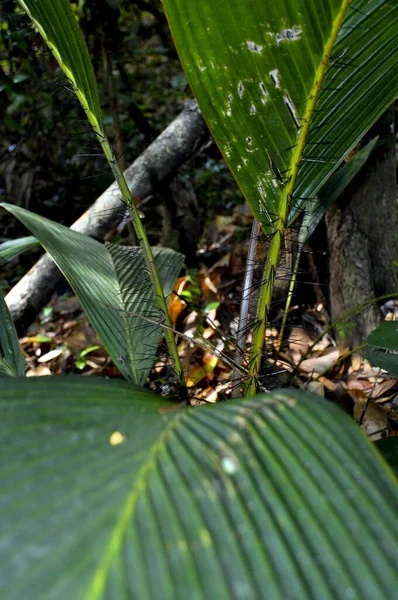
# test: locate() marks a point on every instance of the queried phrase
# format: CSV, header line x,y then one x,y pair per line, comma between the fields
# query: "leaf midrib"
x,y
99,578
298,151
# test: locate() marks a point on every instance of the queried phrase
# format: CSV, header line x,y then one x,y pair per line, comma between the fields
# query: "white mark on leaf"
x,y
264,92
287,100
229,465
253,47
253,109
249,142
274,74
229,102
290,35
261,190
241,88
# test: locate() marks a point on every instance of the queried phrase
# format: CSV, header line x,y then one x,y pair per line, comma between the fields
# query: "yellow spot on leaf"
x,y
116,438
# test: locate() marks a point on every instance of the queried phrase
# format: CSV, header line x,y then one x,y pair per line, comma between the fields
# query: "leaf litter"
x,y
204,309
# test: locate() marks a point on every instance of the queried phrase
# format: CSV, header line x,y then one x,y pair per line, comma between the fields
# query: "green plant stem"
x,y
285,202
149,262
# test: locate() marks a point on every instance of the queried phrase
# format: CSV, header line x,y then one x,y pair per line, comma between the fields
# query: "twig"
x,y
244,307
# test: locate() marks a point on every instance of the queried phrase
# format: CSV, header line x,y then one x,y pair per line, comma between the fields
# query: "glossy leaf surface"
x,y
87,265
11,357
12,248
287,88
111,492
332,189
384,337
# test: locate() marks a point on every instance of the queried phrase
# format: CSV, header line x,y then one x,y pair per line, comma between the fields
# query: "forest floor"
x,y
205,308
45,168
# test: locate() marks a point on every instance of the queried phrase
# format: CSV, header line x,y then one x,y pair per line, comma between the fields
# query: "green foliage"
x,y
315,211
385,336
12,248
114,289
11,360
388,448
58,26
112,492
287,92
382,339
332,189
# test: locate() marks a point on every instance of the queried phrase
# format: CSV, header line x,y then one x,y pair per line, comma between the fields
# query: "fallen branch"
x,y
159,163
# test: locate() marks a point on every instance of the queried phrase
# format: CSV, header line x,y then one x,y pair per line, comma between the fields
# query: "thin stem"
x,y
202,342
292,285
285,202
244,307
149,262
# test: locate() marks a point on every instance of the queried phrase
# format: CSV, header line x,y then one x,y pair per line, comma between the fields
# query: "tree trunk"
x,y
363,238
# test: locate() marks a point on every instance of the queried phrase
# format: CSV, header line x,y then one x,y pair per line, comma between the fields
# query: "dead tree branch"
x,y
158,164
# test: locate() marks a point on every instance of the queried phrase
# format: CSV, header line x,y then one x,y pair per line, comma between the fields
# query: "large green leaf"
x,y
384,337
388,448
106,293
110,492
287,88
56,23
12,248
332,189
137,297
11,357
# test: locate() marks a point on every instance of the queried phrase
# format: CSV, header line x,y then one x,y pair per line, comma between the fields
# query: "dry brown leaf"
x,y
208,286
389,406
221,263
320,363
299,340
356,363
323,343
357,395
354,383
374,422
39,371
327,383
176,304
49,356
382,387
